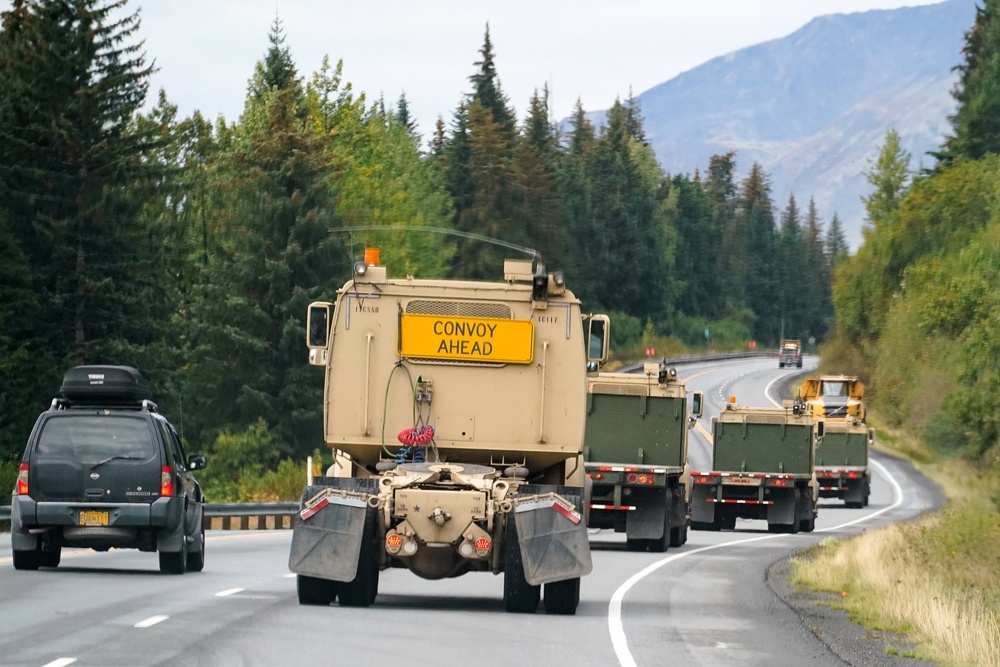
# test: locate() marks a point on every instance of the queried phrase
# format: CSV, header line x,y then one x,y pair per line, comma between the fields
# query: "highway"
x,y
706,603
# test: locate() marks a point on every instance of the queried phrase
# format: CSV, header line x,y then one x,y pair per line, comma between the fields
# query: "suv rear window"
x,y
96,437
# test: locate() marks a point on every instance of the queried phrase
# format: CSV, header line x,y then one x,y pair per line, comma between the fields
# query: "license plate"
x,y
741,481
93,518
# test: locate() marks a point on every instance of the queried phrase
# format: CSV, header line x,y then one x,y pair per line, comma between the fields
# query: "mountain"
x,y
813,107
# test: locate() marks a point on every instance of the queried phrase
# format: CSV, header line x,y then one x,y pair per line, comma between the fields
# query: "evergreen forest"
x,y
190,248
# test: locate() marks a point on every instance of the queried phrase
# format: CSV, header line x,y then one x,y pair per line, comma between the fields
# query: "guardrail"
x,y
694,358
227,516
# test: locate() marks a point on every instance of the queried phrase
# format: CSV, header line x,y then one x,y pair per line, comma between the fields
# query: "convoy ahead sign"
x,y
466,339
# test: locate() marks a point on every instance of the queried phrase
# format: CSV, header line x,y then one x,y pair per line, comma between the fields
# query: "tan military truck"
x,y
762,468
456,412
636,455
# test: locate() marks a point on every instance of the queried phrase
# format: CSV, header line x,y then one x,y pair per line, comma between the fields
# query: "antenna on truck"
x,y
534,254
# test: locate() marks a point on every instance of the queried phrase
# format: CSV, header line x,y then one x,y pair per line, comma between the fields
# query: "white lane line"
x,y
291,576
225,593
151,621
618,639
60,662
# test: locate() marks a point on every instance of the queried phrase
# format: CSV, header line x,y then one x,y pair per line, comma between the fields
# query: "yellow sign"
x,y
466,339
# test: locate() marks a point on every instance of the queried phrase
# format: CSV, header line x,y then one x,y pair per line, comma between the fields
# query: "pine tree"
x,y
273,256
889,175
403,117
75,247
487,90
976,121
835,244
277,70
762,280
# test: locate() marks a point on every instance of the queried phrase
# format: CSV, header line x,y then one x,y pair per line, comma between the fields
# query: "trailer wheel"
x,y
361,591
678,536
562,597
315,591
519,597
633,544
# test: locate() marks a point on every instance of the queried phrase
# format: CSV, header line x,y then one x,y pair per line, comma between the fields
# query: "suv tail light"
x,y
22,480
166,482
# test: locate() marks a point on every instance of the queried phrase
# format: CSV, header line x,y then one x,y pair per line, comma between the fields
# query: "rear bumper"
x,y
27,514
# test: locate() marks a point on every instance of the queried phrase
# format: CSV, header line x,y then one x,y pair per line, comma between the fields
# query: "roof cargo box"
x,y
105,385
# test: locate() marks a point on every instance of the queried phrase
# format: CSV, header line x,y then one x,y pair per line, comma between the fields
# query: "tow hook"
x,y
439,516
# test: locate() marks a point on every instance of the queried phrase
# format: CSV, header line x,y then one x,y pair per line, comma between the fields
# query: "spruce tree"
x,y
976,121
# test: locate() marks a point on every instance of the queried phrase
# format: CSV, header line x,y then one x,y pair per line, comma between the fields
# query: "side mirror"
x,y
598,334
871,436
820,429
697,404
197,462
318,325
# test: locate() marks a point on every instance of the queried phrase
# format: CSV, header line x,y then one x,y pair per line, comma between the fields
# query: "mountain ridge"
x,y
813,107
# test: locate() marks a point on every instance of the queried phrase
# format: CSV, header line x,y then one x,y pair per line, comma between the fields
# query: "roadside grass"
x,y
933,579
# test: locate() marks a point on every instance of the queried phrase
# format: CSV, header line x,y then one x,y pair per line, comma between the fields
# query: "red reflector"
x,y
482,544
166,482
852,475
598,476
22,480
393,540
633,478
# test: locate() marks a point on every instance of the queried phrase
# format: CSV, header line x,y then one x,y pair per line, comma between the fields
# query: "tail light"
x,y
22,480
166,482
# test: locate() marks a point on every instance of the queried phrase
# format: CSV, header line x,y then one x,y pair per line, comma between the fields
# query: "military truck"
x,y
790,353
762,468
456,413
635,453
842,462
834,396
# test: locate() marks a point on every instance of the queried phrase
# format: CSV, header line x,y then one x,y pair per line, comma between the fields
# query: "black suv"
x,y
103,469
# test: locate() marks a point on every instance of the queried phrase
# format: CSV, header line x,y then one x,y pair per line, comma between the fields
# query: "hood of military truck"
x,y
95,456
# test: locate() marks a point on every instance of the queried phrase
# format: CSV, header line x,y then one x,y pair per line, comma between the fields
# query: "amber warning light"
x,y
371,256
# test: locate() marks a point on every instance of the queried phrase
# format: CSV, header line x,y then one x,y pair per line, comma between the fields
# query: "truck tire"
x,y
361,591
633,544
173,562
50,557
562,597
315,591
662,543
519,597
678,536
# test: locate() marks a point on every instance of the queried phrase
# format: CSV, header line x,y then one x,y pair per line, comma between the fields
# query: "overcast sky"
x,y
595,51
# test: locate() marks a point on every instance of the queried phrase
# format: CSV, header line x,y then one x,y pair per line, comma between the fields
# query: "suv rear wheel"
x,y
26,560
173,562
196,552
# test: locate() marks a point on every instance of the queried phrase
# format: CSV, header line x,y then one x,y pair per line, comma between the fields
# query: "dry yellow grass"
x,y
934,579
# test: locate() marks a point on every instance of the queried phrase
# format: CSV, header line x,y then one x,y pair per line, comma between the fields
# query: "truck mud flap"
x,y
326,542
553,540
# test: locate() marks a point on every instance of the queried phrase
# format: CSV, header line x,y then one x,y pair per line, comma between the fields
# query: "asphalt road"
x,y
709,602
